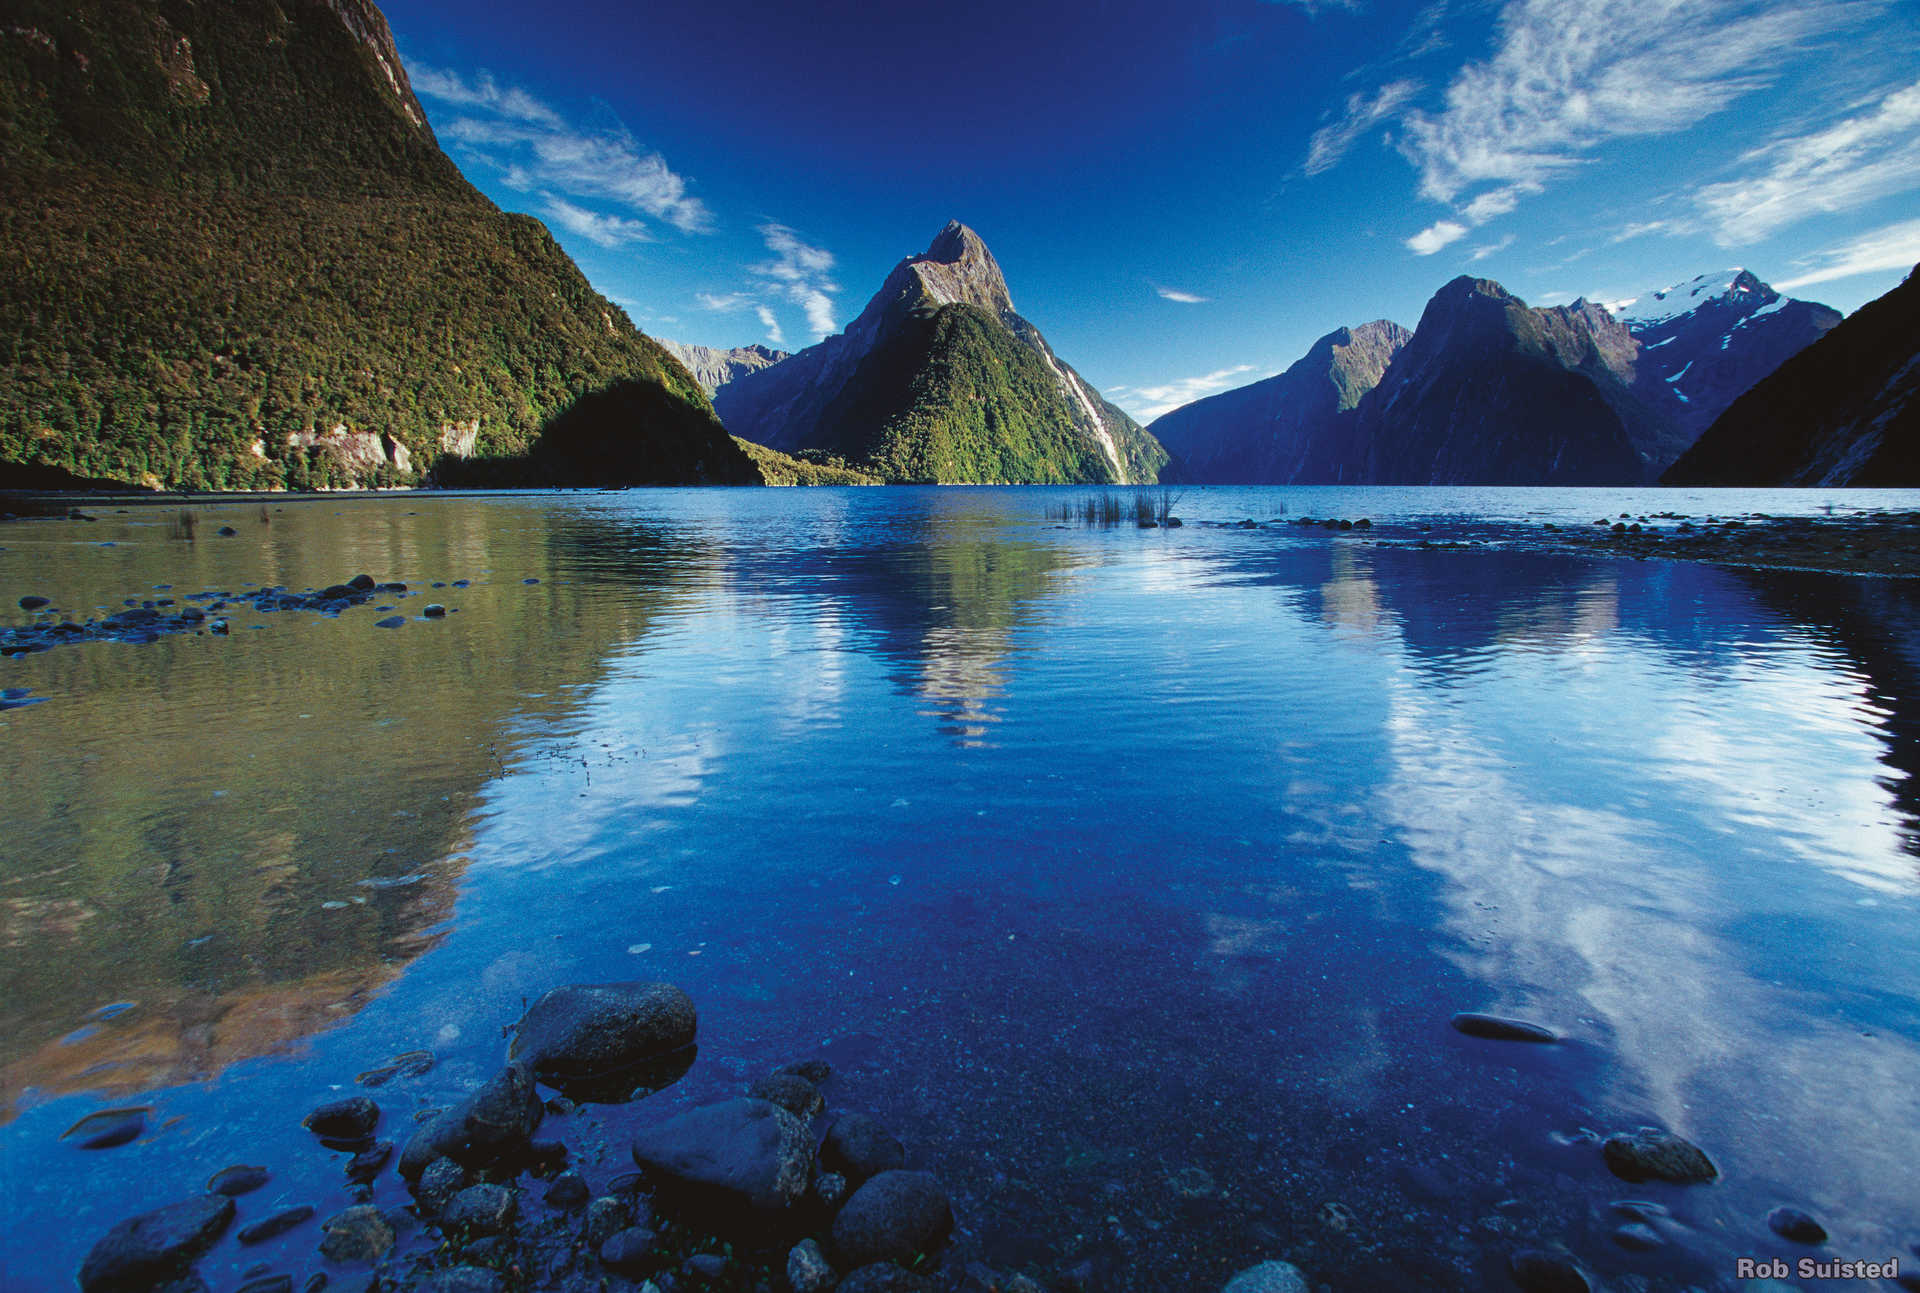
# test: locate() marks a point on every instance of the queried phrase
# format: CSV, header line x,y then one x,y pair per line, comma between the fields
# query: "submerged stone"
x,y
747,1151
277,1224
359,1234
494,1123
351,1119
155,1246
107,1128
1792,1224
1536,1271
857,1146
237,1180
1269,1277
1651,1154
1494,1028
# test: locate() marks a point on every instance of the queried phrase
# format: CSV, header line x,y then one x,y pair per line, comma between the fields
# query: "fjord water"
x,y
1131,876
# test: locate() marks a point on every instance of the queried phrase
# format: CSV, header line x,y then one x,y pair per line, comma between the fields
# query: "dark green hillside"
x,y
233,256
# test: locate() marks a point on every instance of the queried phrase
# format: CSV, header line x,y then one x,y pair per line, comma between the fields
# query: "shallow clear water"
x,y
1130,876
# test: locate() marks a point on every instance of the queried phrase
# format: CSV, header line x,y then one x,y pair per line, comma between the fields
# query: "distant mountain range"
x,y
1843,411
1488,390
715,368
940,380
236,257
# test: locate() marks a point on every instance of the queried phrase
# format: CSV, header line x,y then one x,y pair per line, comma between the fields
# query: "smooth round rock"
x,y
1651,1154
480,1210
895,1216
568,1190
587,1031
857,1147
390,622
365,1165
494,1123
351,1119
237,1180
1493,1028
808,1270
1792,1224
359,1234
32,603
628,1251
1543,1272
442,1179
747,1151
1269,1277
157,1245
434,611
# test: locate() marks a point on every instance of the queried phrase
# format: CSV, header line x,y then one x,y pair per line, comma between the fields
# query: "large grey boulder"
x,y
605,1039
748,1151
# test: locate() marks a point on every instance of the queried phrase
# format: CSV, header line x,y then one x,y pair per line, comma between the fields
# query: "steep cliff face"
x,y
1843,411
939,379
1489,391
715,368
1295,428
233,255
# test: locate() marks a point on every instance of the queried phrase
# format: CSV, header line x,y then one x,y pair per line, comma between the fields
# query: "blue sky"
x,y
1185,195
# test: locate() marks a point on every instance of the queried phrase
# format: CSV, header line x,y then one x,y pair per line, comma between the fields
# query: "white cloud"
x,y
802,274
1313,7
1436,236
729,301
1490,249
1897,246
1566,76
775,337
1184,298
1331,142
1846,165
534,148
606,230
1146,403
1645,227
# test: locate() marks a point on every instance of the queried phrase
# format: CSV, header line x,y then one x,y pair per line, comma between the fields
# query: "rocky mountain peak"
x,y
958,267
369,27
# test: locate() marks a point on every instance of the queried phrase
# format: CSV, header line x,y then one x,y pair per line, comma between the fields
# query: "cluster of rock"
x,y
147,620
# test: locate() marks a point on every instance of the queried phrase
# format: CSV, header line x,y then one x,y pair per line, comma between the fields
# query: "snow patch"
x,y
1682,373
1654,308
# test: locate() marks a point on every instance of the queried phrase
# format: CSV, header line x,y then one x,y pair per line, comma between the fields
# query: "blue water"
x,y
1130,876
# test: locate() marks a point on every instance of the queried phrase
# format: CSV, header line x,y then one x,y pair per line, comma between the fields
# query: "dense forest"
x,y
232,256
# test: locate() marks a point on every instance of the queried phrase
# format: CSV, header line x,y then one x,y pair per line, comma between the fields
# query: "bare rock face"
x,y
715,368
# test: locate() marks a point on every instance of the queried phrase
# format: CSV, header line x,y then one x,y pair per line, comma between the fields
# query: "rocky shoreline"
x,y
764,1192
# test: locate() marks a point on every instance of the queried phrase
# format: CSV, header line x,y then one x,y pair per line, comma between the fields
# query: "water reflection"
x,y
277,826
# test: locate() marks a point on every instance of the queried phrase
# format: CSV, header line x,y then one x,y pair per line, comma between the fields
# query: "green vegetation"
x,y
1145,508
232,256
807,467
953,395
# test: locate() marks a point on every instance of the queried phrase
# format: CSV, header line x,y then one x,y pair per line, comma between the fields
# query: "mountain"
x,y
232,255
939,379
1290,429
1844,411
1492,392
715,368
1706,341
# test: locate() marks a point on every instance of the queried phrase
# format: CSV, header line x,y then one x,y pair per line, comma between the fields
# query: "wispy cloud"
x,y
1435,236
1846,165
1184,298
536,149
1363,112
1146,403
802,273
723,301
606,230
1569,75
1897,246
1313,8
775,337
1641,229
1490,249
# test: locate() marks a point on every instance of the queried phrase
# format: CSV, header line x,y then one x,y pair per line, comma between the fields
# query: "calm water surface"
x,y
1130,876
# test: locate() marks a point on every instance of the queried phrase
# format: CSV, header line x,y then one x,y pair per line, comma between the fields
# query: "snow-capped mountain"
x,y
1706,341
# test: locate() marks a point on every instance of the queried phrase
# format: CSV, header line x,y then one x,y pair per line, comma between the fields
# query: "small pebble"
x,y
277,1224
